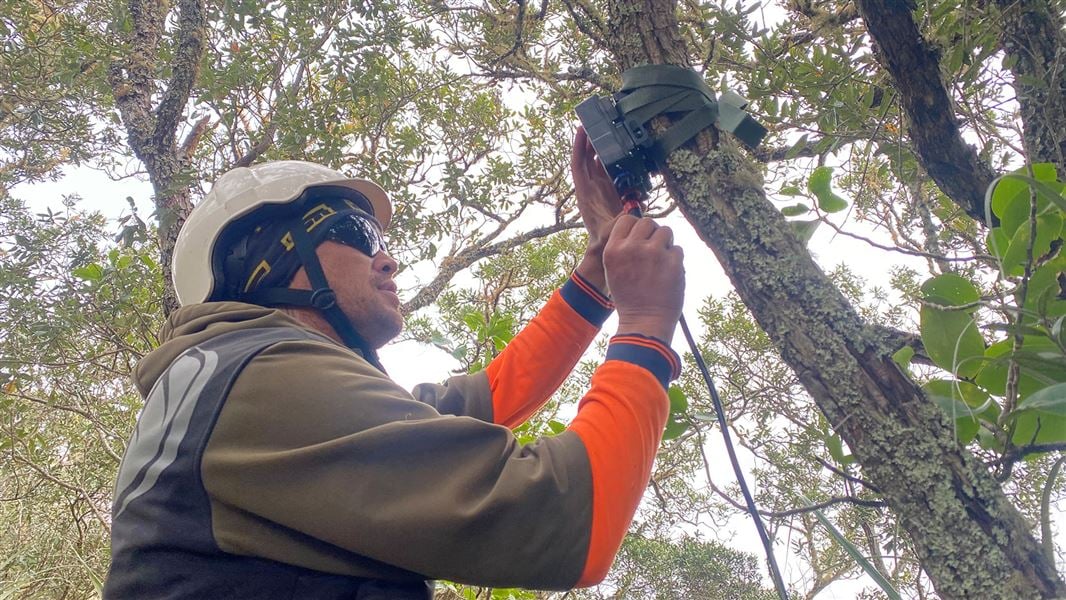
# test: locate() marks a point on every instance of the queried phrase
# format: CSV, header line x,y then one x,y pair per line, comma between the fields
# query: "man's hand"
x,y
597,201
646,274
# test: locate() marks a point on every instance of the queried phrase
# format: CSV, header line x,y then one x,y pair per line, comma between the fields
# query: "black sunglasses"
x,y
359,232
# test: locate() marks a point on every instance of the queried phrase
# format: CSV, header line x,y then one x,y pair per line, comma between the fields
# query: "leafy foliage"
x,y
76,313
1009,395
462,111
685,568
51,87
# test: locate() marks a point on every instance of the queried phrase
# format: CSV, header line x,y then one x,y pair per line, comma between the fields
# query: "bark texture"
x,y
152,129
931,125
972,542
1035,44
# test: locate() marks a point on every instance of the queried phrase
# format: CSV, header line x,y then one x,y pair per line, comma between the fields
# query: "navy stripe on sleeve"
x,y
651,353
584,298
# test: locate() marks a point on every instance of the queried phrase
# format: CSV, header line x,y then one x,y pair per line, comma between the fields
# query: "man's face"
x,y
365,290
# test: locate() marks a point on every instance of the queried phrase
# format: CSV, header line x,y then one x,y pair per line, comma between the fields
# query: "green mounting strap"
x,y
649,91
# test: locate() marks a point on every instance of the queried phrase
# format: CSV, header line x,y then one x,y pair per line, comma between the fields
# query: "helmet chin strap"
x,y
320,297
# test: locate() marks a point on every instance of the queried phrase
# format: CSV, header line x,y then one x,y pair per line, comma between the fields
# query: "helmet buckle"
x,y
323,298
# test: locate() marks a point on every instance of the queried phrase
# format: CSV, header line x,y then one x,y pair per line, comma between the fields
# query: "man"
x,y
274,458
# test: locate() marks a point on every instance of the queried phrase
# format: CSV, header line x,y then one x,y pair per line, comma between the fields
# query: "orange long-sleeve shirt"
x,y
317,461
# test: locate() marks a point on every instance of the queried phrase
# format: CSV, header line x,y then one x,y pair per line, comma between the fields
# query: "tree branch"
x,y
767,155
105,522
188,147
1034,39
795,511
192,26
131,75
264,144
574,73
1019,452
588,20
824,504
915,67
519,30
1047,537
451,265
820,20
847,476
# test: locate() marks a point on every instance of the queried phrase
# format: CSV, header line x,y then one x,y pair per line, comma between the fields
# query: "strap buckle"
x,y
323,298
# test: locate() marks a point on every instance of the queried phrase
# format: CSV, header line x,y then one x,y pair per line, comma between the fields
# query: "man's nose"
x,y
384,263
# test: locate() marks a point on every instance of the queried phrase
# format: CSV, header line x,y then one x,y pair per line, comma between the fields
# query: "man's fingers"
x,y
623,225
577,152
627,226
644,229
663,236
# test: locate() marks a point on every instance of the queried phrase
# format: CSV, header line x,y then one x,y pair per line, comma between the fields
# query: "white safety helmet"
x,y
239,193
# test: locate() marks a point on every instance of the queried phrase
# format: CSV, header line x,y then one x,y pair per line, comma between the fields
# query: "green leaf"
x,y
90,272
997,241
1058,332
988,440
832,203
1045,172
819,185
854,553
1008,193
460,352
964,403
804,230
790,190
903,356
1040,360
827,144
1035,427
1050,400
1048,228
819,181
678,401
835,445
1031,81
950,289
475,321
706,417
951,336
952,340
795,210
1044,297
796,148
1009,196
556,426
674,428
959,399
501,328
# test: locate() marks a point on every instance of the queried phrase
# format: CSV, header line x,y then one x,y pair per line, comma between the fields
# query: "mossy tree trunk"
x,y
970,539
1033,39
152,116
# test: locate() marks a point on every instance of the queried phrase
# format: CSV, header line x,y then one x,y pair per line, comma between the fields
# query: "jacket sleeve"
x,y
533,365
318,460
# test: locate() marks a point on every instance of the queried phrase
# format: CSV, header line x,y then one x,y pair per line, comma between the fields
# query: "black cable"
x,y
631,199
775,573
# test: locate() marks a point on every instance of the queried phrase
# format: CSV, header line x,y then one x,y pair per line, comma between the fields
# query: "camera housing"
x,y
623,147
627,149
